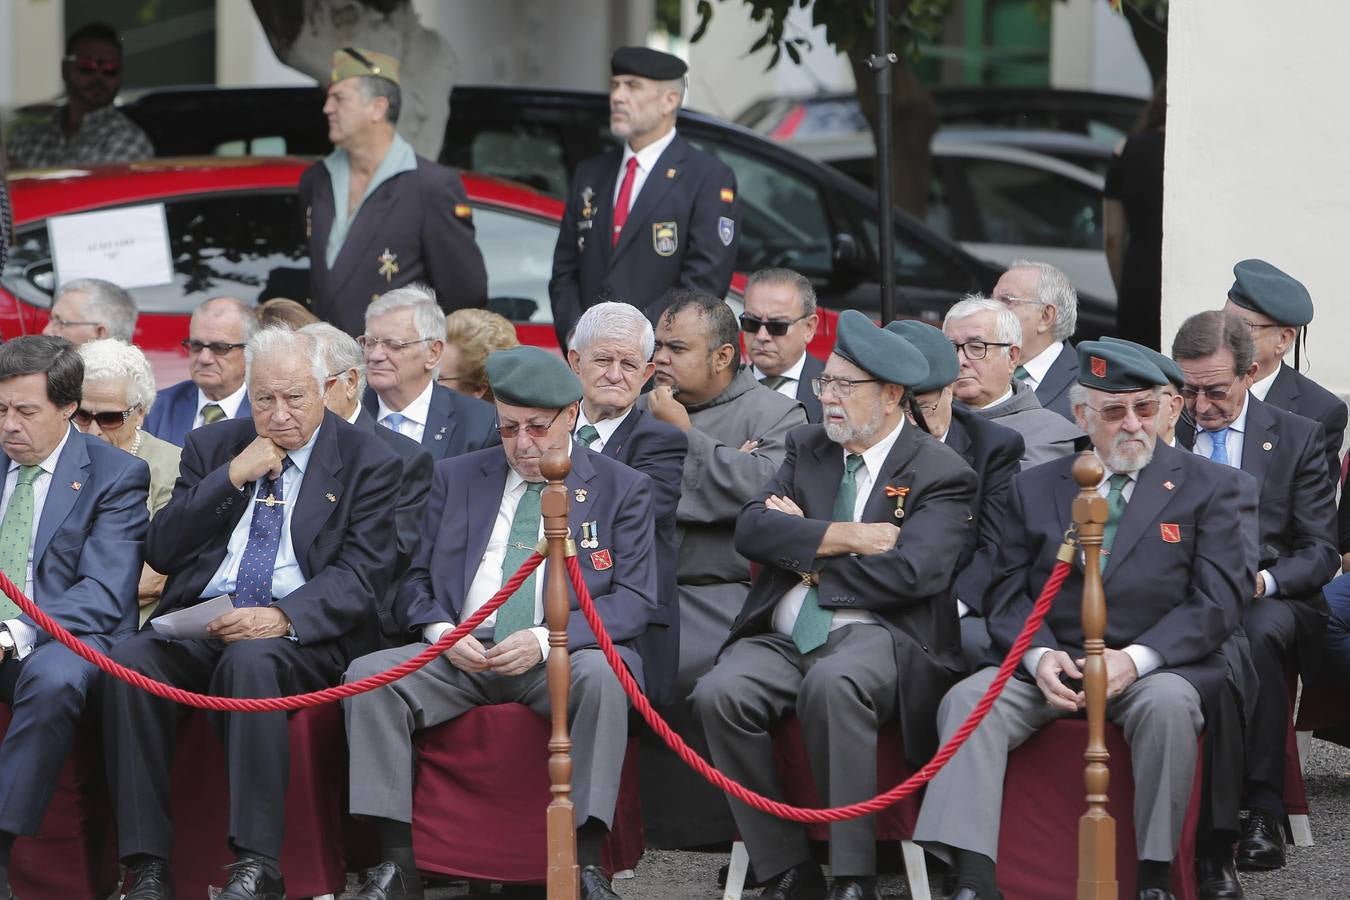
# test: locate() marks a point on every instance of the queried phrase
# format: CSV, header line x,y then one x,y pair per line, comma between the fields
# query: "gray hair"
x,y
279,340
110,358
1206,333
340,350
1053,288
108,304
373,86
806,292
248,316
428,317
612,321
1007,328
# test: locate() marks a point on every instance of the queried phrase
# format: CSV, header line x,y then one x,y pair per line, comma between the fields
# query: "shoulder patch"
x,y
463,211
728,195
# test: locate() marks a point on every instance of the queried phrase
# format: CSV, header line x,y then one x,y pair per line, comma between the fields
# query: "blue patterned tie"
x,y
1219,446
394,422
253,587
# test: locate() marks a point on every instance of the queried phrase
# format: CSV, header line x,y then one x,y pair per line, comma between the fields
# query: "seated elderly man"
x,y
1172,401
289,514
471,336
90,309
482,522
987,337
1176,567
849,623
1046,305
74,517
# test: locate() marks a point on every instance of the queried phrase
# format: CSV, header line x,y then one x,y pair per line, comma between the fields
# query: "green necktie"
x,y
16,533
772,382
1115,508
1020,373
212,412
587,435
812,627
518,612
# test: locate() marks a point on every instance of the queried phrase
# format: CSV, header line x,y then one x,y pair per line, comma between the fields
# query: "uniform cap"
x,y
1116,368
646,63
530,376
884,355
350,62
1263,288
937,349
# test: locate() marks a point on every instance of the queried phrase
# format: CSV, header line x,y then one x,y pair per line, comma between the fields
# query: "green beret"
x,y
646,63
1166,364
936,347
1116,368
884,355
530,376
1261,287
350,62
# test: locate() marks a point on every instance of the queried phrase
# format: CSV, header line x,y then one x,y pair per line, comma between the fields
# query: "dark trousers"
x,y
1271,632
46,692
1336,656
141,733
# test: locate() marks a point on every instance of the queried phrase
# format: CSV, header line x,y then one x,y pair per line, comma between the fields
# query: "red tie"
x,y
625,197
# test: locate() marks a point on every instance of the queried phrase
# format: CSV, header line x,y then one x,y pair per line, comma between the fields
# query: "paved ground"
x,y
1321,872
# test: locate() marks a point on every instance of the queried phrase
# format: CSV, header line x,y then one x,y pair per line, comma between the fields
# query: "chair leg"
x,y
1301,829
916,871
736,869
1304,741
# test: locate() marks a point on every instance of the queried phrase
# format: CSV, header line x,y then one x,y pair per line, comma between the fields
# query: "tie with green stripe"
x,y
812,627
1115,508
16,533
518,611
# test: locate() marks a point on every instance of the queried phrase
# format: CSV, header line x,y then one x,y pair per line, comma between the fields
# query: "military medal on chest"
x,y
899,493
388,265
590,535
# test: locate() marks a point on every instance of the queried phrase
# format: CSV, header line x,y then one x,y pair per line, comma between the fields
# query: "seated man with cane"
x,y
483,521
1176,568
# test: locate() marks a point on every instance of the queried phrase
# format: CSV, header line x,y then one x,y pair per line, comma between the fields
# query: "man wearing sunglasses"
x,y
779,321
88,130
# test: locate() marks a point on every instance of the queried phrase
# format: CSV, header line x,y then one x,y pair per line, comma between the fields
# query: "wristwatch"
x,y
6,642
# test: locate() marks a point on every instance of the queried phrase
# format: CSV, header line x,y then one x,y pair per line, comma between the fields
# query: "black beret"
x,y
936,347
1263,288
884,355
646,63
529,376
1166,364
1116,368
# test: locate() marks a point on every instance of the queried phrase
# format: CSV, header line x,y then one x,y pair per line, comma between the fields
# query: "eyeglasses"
x,y
1257,326
976,349
88,65
1009,300
1116,412
392,345
510,431
219,348
843,387
107,421
70,323
775,327
928,407
1212,394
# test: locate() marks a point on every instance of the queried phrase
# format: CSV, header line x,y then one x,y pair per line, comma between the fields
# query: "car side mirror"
x,y
846,255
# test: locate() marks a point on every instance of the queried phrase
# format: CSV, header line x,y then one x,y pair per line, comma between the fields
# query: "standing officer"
x,y
659,214
378,216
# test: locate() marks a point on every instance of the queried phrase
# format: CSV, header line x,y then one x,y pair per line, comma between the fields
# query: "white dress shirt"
x,y
229,404
646,158
25,635
414,423
605,427
791,378
1039,365
1260,388
1004,399
874,457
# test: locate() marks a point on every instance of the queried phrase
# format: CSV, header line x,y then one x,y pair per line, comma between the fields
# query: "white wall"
x,y
1256,160
1091,49
32,38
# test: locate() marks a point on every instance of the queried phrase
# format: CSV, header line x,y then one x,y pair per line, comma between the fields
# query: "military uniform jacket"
x,y
415,227
908,588
682,231
1297,393
995,453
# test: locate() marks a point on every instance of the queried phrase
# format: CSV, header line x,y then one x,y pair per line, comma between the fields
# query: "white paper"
x,y
127,246
192,622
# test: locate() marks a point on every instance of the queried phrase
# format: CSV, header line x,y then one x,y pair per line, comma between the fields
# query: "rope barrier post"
x,y
1096,829
563,874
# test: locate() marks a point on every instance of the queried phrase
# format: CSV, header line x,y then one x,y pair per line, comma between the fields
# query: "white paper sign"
x,y
127,246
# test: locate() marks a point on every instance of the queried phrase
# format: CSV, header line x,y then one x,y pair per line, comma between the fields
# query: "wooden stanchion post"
x,y
563,873
1096,829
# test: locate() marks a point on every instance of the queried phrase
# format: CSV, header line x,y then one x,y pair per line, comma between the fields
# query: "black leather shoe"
x,y
1262,844
1217,878
5,892
1155,894
150,880
387,882
252,879
803,881
969,893
595,886
845,888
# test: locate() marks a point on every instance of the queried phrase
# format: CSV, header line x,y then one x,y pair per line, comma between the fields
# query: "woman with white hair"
x,y
119,389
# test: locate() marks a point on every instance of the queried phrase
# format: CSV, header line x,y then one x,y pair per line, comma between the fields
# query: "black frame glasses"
x,y
976,350
776,327
510,431
218,348
109,420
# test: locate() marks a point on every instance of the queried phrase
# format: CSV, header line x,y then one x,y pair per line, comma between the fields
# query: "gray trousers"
x,y
841,692
380,726
1161,717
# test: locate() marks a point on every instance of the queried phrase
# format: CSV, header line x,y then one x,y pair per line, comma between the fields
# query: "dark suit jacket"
x,y
1182,598
466,493
1297,393
657,450
689,192
170,419
421,217
995,453
456,423
908,588
87,549
343,527
1053,391
810,369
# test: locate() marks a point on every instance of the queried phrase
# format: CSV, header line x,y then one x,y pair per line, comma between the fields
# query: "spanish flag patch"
x,y
728,195
463,211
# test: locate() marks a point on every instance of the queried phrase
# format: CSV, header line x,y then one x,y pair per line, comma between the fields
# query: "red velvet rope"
x,y
266,704
797,813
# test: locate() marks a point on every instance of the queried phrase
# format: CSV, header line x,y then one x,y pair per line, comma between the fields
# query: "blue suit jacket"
x,y
466,493
87,553
170,419
456,423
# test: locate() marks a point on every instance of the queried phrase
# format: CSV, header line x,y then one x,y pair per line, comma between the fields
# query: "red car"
x,y
235,227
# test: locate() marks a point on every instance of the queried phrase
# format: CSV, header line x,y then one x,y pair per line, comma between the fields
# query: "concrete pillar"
x,y
32,38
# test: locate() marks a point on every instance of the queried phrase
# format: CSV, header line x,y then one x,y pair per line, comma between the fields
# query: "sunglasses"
x,y
512,429
775,327
87,65
107,421
1116,412
219,348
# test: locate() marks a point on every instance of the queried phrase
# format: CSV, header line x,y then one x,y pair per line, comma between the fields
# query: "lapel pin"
x,y
1169,485
329,496
670,173
75,485
1267,445
440,434
899,493
581,495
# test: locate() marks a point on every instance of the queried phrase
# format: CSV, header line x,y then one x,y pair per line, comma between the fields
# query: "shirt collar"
x,y
649,154
605,427
875,456
1004,399
48,465
1107,473
300,457
230,404
1240,423
1040,364
513,479
793,372
416,411
1262,387
356,414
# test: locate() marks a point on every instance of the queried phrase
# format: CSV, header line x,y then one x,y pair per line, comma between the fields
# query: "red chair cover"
x,y
313,860
73,856
1043,798
1325,708
482,789
1295,792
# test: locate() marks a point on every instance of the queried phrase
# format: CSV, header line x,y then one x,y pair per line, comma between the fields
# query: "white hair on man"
x,y
611,321
1054,289
106,303
428,317
1007,330
248,316
279,341
112,359
341,351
